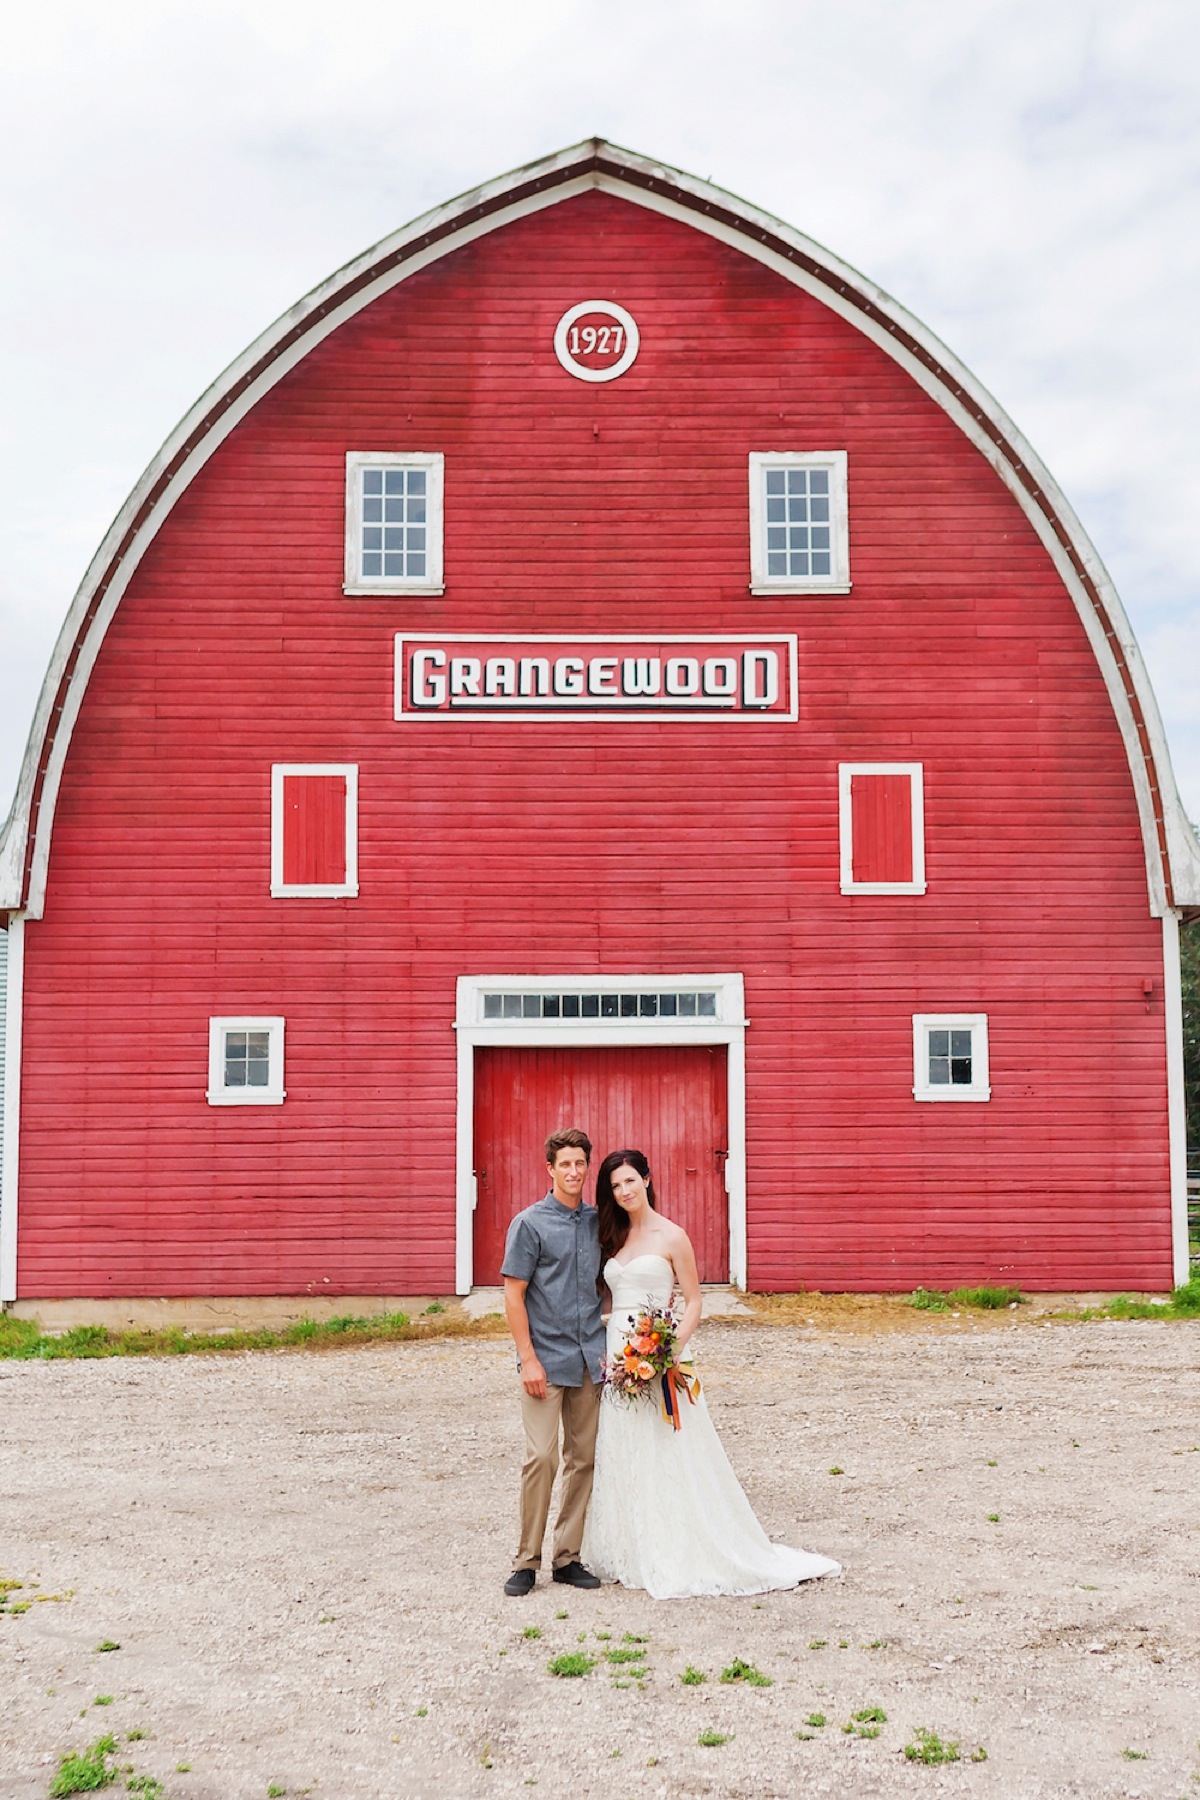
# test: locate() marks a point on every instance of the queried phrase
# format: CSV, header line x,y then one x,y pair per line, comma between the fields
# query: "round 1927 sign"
x,y
596,340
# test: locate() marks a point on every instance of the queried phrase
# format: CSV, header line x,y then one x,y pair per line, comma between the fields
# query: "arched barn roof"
x,y
1171,848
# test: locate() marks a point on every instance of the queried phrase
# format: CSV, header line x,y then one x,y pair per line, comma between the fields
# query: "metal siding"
x,y
497,847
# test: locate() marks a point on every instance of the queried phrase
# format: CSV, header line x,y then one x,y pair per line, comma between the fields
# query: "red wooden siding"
x,y
314,830
881,827
667,1101
552,849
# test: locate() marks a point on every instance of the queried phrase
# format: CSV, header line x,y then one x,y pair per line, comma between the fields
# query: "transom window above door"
x,y
700,1003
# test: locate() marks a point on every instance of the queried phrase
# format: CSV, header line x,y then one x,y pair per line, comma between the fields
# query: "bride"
x,y
667,1512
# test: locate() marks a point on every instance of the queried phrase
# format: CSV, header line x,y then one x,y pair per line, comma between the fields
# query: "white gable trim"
x,y
1172,858
13,1014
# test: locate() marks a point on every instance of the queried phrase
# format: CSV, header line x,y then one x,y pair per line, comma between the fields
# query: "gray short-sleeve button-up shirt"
x,y
556,1250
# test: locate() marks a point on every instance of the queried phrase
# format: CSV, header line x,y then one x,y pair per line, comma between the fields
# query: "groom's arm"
x,y
532,1373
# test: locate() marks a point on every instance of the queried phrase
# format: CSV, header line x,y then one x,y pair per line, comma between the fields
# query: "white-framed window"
x,y
881,828
314,830
394,521
950,1056
799,522
245,1061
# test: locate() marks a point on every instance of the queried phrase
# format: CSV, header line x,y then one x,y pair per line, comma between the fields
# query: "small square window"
x,y
394,522
950,1056
245,1062
799,534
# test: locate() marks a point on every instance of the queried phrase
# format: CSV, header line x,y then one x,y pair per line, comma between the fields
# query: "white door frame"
x,y
727,1025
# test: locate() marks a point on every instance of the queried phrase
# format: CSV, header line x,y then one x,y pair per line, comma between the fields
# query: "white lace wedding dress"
x,y
667,1512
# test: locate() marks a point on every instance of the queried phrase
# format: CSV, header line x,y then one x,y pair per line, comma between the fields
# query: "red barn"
x,y
597,659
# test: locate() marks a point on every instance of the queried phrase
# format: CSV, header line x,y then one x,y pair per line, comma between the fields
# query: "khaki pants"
x,y
577,1412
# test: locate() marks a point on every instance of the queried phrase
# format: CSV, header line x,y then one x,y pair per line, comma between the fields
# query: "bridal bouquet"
x,y
646,1355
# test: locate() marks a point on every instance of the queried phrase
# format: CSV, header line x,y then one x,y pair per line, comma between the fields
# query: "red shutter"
x,y
314,830
882,833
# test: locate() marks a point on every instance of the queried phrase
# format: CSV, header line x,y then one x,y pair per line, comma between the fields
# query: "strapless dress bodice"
x,y
647,1279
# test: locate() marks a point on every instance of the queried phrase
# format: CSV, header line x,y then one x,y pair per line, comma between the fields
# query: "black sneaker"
x,y
575,1575
521,1581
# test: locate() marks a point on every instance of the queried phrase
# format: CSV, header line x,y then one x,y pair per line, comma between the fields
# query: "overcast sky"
x,y
1023,175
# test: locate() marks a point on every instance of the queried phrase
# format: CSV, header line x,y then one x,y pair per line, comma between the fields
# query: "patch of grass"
x,y
22,1339
621,1655
434,1307
571,1664
103,1700
604,1637
85,1771
747,1673
563,1614
148,1785
928,1747
532,1631
183,1768
136,1735
422,1712
986,1299
816,1720
928,1300
709,1740
870,1715
817,1643
635,1637
106,1646
275,1792
693,1677
993,1518
837,1470
1136,1755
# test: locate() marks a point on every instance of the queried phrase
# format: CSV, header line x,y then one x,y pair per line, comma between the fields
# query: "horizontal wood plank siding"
x,y
555,848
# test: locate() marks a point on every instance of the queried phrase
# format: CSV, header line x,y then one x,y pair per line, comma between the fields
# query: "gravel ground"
x,y
300,1557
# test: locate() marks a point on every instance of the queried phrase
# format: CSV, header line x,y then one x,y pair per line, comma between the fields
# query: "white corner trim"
x,y
977,1024
434,464
217,1093
916,775
281,890
1176,1099
9,1173
838,579
729,1028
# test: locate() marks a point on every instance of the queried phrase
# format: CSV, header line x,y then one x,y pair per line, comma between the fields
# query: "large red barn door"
x,y
667,1100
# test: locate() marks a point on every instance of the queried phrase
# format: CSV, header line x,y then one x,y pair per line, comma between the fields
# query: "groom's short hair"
x,y
570,1139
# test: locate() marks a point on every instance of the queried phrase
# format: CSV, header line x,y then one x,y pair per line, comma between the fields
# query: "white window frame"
x,y
977,1024
433,462
916,776
728,1028
838,579
281,890
218,1094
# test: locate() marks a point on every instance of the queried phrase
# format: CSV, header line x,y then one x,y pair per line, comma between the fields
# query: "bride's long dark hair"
x,y
614,1220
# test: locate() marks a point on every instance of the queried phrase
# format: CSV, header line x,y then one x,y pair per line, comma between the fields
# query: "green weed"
x,y
106,1646
816,1720
625,1656
692,1677
532,1631
817,1643
746,1672
929,1300
147,1785
275,1792
85,1771
870,1715
837,1470
572,1663
1136,1755
710,1739
993,1518
634,1637
103,1700
136,1735
987,1299
929,1748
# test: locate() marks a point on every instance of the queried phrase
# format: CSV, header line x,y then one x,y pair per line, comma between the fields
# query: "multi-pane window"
x,y
799,537
393,522
950,1056
245,1062
247,1059
798,531
506,1006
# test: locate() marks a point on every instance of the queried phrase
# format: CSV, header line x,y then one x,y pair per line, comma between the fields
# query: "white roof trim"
x,y
1173,878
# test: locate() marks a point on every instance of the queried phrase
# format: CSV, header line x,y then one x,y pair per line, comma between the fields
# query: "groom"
x,y
550,1269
